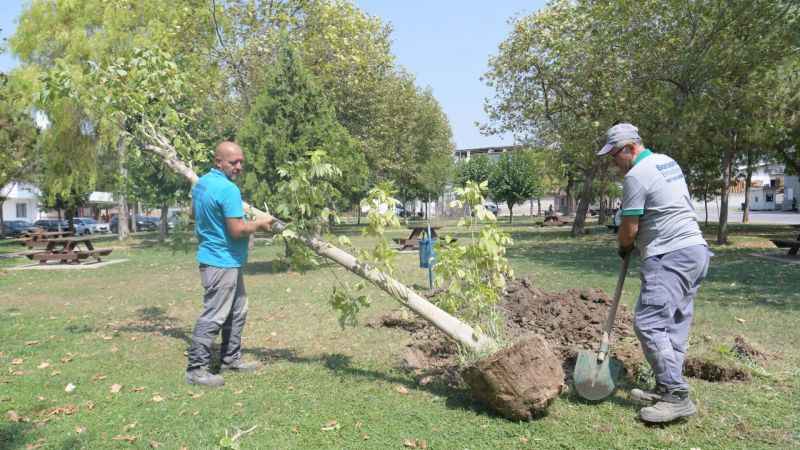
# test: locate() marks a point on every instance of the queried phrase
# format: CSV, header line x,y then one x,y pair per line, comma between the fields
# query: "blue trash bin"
x,y
426,253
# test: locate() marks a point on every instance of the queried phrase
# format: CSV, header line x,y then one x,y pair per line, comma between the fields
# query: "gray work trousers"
x,y
224,308
664,310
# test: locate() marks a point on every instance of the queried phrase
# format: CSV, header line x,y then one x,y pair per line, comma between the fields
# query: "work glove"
x,y
624,251
277,225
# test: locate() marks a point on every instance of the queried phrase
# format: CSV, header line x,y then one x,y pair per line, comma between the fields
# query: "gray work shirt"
x,y
655,190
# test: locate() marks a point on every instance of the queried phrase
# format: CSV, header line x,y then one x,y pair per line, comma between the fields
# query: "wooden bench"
x,y
792,245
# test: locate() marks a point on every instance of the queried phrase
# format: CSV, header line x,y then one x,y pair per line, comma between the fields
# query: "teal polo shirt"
x,y
214,199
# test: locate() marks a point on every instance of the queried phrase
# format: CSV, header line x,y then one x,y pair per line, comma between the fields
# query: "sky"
x,y
446,44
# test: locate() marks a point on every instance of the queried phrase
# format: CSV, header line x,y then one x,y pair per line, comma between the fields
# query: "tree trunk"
x,y
748,180
579,225
705,200
134,217
538,206
569,200
122,215
358,214
510,212
601,215
727,168
449,325
2,219
162,226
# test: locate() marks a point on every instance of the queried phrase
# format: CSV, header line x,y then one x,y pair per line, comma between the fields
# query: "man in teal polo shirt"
x,y
658,217
223,235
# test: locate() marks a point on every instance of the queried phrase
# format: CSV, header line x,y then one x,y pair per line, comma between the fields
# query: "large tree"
x,y
290,118
513,179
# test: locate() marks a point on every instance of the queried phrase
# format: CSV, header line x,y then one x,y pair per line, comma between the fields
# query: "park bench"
x,y
792,244
67,250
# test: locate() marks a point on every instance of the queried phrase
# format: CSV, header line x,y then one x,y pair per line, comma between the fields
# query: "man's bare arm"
x,y
238,228
627,234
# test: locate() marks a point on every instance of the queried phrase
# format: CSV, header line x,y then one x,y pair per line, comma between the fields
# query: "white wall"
x,y
20,194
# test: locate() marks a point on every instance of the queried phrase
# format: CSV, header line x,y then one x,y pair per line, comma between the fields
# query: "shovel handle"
x,y
612,313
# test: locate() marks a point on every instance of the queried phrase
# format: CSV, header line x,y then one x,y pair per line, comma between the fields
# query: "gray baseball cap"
x,y
621,132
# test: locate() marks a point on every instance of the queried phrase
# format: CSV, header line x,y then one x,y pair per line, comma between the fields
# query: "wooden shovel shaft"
x,y
612,313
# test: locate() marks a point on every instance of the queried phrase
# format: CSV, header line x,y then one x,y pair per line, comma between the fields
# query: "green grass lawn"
x,y
129,324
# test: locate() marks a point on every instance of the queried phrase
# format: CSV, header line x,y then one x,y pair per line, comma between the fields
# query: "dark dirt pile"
x,y
569,321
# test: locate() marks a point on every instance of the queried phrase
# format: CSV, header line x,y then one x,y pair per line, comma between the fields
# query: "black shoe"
x,y
203,377
240,366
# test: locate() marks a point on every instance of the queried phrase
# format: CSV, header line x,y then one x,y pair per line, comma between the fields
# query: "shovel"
x,y
596,373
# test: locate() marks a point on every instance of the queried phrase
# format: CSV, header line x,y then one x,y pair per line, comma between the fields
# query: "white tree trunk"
x,y
451,326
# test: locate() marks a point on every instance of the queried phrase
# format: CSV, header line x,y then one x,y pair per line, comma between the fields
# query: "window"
x,y
22,210
770,197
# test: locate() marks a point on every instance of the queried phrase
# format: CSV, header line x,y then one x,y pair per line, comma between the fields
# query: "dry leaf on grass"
x,y
38,444
124,437
115,388
43,365
296,429
55,373
331,425
137,389
12,416
740,320
66,410
70,388
523,439
67,358
31,343
80,430
89,404
17,361
401,389
129,426
98,377
155,444
157,398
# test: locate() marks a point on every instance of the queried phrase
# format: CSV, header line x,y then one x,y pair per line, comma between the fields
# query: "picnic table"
x,y
792,245
417,233
41,238
69,250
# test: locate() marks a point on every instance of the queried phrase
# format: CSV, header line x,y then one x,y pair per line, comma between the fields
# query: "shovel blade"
x,y
595,380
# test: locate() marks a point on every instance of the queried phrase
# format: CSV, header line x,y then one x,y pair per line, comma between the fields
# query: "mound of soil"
x,y
569,321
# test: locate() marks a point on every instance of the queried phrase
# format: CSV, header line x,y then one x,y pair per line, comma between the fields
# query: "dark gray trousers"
x,y
664,310
224,308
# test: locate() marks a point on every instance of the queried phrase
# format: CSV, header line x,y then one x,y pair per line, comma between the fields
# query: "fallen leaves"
x,y
17,361
32,343
124,437
331,425
69,357
43,365
13,416
115,388
70,388
98,377
402,390
157,398
137,389
740,320
129,426
66,410
415,443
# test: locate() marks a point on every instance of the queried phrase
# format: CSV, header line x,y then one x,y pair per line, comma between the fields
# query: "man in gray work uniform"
x,y
222,235
657,213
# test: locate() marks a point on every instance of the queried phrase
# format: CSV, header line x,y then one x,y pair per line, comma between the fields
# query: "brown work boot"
x,y
203,377
240,366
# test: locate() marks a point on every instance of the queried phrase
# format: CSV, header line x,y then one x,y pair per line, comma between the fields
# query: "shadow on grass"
x,y
153,319
456,398
737,277
15,435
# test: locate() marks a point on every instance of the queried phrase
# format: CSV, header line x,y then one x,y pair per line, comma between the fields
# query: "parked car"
x,y
147,223
52,224
143,223
86,225
16,228
401,211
